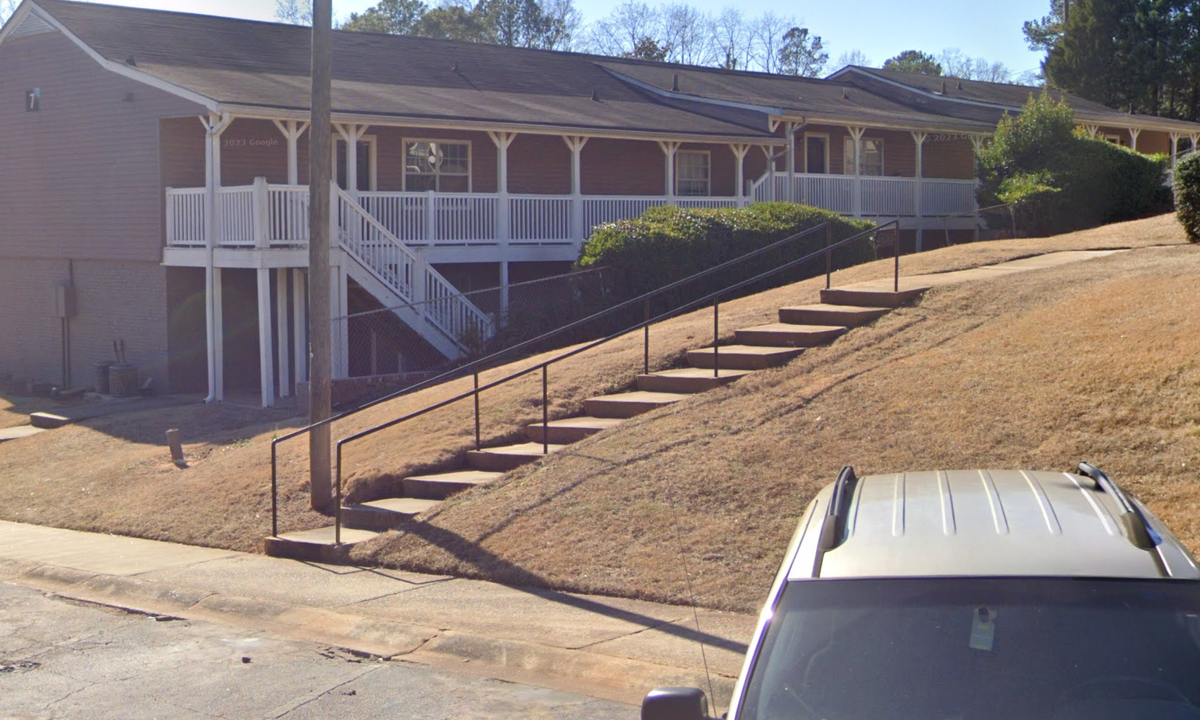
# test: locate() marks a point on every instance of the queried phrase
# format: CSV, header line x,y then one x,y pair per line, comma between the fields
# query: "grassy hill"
x,y
1091,361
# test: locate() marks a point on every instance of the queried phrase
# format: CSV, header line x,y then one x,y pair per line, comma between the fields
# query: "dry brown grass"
x,y
906,392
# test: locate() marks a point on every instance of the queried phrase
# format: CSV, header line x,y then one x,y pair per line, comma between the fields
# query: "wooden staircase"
x,y
756,348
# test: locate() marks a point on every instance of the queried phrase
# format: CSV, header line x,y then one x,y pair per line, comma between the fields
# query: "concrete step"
x,y
840,315
384,514
317,545
569,430
871,298
788,335
48,420
688,380
443,485
630,404
18,432
743,357
508,457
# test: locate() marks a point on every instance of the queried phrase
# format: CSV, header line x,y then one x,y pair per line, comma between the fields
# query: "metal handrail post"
x,y
828,255
896,255
337,509
545,410
477,442
646,339
274,493
716,337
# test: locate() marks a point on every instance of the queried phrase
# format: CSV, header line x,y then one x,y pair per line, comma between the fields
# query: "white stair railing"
x,y
408,274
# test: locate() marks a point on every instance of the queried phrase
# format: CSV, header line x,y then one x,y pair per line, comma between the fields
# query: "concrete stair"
x,y
743,357
847,316
688,380
569,430
508,457
788,335
757,348
630,404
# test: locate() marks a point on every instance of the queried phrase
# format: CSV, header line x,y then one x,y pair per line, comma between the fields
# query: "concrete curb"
x,y
601,675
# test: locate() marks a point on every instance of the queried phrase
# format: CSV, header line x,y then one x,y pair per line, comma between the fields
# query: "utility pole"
x,y
320,322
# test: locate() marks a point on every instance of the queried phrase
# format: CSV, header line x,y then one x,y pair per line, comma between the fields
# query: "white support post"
x,y
340,329
857,133
261,210
919,138
1195,138
1133,137
219,330
213,128
1175,149
575,143
300,323
977,142
739,172
292,130
430,217
266,359
503,140
281,322
351,134
669,148
769,151
791,161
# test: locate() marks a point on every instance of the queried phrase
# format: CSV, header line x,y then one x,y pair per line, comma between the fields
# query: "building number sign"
x,y
33,100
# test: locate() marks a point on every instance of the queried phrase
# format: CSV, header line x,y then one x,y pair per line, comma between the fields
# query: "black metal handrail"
x,y
477,365
544,366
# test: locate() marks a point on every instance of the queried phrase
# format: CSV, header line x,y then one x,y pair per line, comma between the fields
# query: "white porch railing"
x,y
187,216
877,196
539,219
599,210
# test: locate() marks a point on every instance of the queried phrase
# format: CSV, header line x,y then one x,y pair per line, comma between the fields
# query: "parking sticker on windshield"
x,y
983,629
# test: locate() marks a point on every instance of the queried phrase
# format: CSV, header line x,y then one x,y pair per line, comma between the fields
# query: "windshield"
x,y
979,649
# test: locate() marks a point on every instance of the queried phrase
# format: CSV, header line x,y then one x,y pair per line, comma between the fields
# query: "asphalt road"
x,y
60,659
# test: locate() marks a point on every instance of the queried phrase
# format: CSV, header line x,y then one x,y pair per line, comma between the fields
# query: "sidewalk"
x,y
606,647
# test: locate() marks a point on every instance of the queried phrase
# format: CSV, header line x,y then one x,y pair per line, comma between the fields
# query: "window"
x,y
691,173
1115,139
871,157
436,165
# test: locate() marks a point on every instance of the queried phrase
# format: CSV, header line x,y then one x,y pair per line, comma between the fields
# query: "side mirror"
x,y
675,704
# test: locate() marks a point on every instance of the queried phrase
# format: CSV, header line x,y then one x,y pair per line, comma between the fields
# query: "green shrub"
x,y
668,243
1062,180
1187,195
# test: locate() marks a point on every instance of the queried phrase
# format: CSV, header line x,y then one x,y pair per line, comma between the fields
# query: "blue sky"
x,y
880,28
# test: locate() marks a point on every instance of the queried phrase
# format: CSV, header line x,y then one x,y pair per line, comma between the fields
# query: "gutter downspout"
x,y
213,127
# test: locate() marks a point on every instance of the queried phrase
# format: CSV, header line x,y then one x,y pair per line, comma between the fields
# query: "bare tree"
x,y
567,21
956,63
688,34
853,57
732,40
767,33
296,12
630,25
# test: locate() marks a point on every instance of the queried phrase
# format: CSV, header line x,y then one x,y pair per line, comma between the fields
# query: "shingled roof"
x,y
988,100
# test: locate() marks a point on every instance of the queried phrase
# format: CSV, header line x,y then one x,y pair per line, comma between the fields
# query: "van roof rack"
x,y
833,532
1137,529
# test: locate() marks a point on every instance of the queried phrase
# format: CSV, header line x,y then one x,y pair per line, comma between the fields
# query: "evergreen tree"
x,y
914,61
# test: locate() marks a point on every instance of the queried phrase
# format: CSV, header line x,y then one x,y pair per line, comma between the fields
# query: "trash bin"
x,y
123,380
102,369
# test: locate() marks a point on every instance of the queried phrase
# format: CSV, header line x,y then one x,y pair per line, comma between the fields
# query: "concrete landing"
x,y
21,431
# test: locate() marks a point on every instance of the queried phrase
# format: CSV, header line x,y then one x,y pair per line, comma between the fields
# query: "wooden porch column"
x,y
670,148
341,326
769,151
281,322
857,133
576,143
919,138
214,126
1133,137
503,140
351,134
739,172
266,359
292,130
300,323
1091,130
791,161
1175,149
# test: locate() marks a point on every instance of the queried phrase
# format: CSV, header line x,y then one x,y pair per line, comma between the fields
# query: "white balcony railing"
x,y
877,196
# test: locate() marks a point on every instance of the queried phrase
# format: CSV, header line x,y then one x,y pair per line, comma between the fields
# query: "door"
x,y
816,154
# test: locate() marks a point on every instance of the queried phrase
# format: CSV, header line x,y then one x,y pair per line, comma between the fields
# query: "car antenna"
x,y
687,576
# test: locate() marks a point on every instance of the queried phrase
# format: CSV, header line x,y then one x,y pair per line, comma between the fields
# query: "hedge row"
x,y
1187,195
668,243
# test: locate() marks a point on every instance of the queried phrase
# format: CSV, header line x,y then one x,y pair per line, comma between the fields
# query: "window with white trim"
x,y
870,158
437,165
1115,139
692,171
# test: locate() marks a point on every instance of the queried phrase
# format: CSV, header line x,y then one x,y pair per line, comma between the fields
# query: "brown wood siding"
x,y
181,152
81,177
623,167
250,149
539,165
949,157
